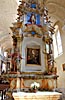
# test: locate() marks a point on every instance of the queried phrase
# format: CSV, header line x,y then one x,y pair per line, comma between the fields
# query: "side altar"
x,y
32,57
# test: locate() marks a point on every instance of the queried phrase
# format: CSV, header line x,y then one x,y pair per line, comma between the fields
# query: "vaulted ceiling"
x,y
8,15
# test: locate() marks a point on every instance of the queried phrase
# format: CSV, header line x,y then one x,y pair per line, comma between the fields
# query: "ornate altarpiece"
x,y
31,34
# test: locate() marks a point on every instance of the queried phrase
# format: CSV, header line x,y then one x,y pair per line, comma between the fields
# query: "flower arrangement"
x,y
35,86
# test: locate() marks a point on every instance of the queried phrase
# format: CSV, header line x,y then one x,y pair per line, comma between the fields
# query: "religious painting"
x,y
33,56
63,66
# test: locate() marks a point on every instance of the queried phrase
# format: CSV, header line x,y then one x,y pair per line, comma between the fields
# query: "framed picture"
x,y
33,56
63,66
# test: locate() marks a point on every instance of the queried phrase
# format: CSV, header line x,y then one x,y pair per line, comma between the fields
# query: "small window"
x,y
57,42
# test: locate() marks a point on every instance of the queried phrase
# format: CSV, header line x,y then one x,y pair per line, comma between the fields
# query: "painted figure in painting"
x,y
33,56
32,19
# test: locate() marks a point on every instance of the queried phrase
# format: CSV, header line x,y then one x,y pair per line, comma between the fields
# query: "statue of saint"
x,y
15,60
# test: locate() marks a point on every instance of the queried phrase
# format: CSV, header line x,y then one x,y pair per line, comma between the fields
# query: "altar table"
x,y
36,96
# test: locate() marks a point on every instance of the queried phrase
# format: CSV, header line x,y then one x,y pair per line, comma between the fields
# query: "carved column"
x,y
19,46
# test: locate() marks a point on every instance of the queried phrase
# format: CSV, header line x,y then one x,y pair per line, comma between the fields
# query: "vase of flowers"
x,y
34,86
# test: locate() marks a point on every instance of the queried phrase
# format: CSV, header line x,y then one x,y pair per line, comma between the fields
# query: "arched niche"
x,y
33,45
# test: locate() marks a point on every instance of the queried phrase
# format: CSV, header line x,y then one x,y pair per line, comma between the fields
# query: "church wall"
x,y
59,61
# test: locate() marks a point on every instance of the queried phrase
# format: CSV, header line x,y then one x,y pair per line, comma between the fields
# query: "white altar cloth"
x,y
36,96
